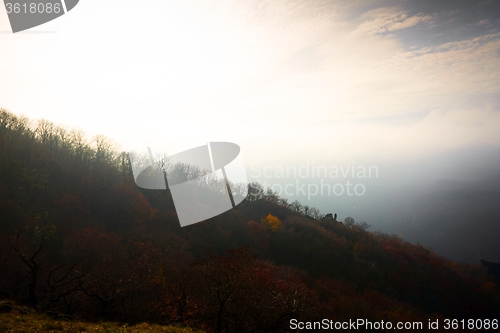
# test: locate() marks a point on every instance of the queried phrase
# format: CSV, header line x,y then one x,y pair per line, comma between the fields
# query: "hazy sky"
x,y
289,81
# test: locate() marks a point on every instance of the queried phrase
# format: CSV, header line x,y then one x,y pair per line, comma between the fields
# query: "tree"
x,y
362,225
223,284
104,149
271,196
60,279
297,206
314,213
272,222
255,191
283,202
349,221
34,269
238,293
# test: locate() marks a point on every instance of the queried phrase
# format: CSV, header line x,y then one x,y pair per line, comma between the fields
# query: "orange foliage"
x,y
272,222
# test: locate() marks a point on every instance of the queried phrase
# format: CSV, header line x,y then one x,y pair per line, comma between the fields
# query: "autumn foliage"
x,y
271,222
78,237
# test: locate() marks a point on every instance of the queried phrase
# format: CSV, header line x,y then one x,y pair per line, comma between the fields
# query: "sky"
x,y
378,82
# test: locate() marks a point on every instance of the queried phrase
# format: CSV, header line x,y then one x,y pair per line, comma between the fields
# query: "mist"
x,y
448,202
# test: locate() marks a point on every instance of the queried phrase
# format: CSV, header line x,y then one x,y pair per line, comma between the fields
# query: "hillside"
x,y
22,320
455,218
80,238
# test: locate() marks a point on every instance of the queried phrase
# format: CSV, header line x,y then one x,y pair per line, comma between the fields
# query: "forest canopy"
x,y
78,237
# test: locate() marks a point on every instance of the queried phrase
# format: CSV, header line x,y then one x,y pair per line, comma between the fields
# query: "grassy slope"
x,y
16,322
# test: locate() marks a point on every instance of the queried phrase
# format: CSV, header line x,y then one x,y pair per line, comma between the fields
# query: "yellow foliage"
x,y
272,222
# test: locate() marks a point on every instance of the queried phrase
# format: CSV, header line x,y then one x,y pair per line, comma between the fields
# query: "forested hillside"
x,y
79,238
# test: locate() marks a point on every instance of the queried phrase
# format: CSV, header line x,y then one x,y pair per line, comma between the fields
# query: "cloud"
x,y
370,92
483,23
385,20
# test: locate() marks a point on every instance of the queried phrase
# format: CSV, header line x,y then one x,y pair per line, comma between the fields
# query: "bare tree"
x,y
33,266
349,221
362,225
104,148
255,191
297,207
314,212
